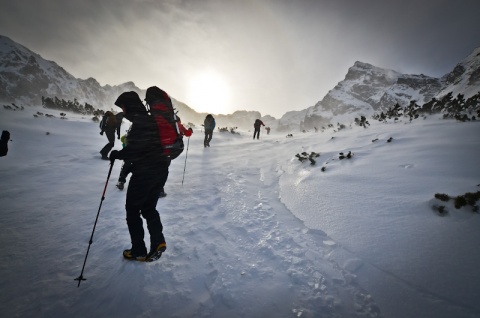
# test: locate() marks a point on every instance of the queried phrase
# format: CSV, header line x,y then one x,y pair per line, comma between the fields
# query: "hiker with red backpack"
x,y
150,149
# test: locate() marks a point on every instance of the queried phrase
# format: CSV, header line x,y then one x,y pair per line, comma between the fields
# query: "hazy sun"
x,y
208,92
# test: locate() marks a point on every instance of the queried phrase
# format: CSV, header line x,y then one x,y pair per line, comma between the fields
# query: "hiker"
x,y
184,131
4,143
209,125
149,174
268,130
257,125
109,125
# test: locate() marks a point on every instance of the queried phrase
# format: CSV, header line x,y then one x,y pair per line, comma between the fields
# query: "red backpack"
x,y
162,110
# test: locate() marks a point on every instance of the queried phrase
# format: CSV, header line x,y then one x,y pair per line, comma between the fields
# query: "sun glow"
x,y
209,92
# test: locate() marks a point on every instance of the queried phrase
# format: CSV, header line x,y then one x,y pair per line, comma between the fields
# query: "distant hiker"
x,y
209,124
109,125
149,172
257,125
268,130
4,143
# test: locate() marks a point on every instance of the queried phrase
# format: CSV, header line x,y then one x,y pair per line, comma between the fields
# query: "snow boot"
x,y
156,252
120,185
130,256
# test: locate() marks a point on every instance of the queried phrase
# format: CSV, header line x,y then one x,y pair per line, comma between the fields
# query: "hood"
x,y
131,101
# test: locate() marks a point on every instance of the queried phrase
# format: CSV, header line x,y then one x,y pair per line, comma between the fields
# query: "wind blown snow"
x,y
253,231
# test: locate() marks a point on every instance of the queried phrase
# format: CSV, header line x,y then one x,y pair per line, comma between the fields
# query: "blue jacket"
x,y
209,123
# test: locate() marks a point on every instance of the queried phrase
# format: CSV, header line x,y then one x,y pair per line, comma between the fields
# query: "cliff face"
x,y
367,88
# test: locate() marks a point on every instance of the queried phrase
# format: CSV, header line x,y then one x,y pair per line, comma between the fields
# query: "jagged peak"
x,y
360,69
476,52
7,45
358,65
361,64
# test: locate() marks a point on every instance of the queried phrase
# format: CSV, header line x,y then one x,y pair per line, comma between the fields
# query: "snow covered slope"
x,y
252,231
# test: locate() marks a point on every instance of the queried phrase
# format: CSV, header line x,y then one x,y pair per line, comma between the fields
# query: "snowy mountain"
x,y
25,77
465,77
367,88
289,121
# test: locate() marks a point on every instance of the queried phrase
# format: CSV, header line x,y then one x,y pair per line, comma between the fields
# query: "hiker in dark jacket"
x,y
258,123
209,125
108,125
149,174
4,143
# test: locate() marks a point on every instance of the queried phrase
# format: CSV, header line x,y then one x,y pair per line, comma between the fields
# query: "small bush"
x,y
460,202
442,197
472,198
468,199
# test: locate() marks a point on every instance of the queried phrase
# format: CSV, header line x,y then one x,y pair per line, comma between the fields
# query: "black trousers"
x,y
110,133
208,137
142,196
257,133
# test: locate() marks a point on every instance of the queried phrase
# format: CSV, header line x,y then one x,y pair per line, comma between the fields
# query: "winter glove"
x,y
101,133
189,132
113,155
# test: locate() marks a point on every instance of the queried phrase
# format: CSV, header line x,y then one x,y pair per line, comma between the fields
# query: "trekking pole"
x,y
185,165
80,278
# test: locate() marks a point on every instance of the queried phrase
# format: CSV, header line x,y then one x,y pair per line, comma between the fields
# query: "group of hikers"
x,y
145,158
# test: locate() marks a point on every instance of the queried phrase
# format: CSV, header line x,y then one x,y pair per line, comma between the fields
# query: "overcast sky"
x,y
220,56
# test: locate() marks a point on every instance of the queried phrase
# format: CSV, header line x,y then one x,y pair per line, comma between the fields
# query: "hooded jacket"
x,y
209,123
143,142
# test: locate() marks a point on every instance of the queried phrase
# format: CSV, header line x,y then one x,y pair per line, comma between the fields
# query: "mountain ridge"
x,y
367,89
25,77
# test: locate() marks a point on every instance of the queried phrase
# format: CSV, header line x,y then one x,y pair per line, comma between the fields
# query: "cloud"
x,y
277,55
